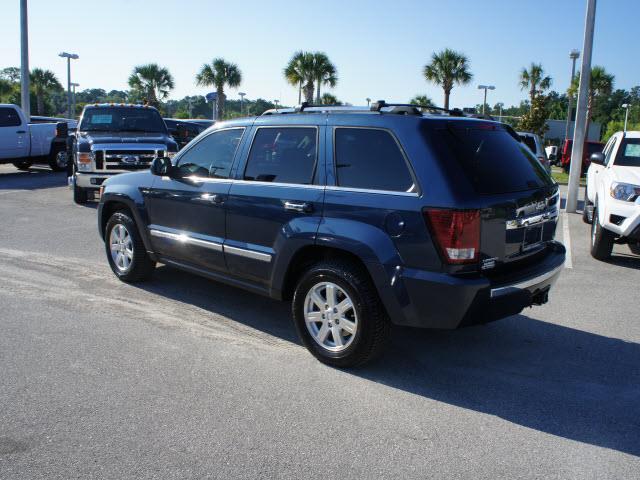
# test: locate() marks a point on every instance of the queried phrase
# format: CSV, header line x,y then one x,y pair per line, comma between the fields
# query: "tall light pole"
x,y
500,105
242,94
73,103
368,101
276,102
580,130
574,55
485,88
626,114
69,57
25,99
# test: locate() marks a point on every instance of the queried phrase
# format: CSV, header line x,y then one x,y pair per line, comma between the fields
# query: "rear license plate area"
x,y
532,237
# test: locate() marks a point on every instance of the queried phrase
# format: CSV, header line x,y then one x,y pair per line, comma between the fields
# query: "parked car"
x,y
361,218
589,149
24,143
113,139
183,131
534,143
612,196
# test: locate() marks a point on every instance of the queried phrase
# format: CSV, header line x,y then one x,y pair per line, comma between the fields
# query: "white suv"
x,y
612,197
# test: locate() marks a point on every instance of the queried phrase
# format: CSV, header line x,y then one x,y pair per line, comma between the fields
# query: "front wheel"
x,y
338,314
128,258
58,160
587,209
24,165
635,248
601,239
80,195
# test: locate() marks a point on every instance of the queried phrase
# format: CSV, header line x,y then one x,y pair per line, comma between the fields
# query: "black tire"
x,y
80,195
141,266
635,248
373,326
55,162
601,239
587,206
24,166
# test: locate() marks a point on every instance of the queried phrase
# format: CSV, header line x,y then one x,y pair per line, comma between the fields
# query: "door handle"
x,y
20,131
303,207
211,198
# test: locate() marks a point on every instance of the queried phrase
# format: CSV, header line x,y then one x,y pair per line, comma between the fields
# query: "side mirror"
x,y
162,167
597,158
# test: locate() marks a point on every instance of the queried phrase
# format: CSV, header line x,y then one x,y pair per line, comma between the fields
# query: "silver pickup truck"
x,y
25,143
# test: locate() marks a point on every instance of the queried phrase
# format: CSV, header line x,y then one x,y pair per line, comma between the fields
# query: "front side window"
x,y
9,117
283,155
212,156
370,159
629,153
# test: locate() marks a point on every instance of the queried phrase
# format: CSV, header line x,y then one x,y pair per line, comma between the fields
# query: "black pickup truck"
x,y
115,138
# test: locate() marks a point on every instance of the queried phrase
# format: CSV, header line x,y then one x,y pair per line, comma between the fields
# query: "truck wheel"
x,y
58,160
126,253
635,248
601,239
338,314
587,209
80,195
24,165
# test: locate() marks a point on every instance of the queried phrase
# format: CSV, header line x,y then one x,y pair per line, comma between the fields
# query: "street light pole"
x,y
574,55
485,88
69,57
242,94
368,101
580,132
626,114
276,102
73,103
25,99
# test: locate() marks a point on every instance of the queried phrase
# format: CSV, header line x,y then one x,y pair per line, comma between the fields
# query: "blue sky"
x,y
379,47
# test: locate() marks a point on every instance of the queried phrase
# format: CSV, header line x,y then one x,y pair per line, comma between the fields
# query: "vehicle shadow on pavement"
x,y
34,179
626,261
579,205
555,379
540,375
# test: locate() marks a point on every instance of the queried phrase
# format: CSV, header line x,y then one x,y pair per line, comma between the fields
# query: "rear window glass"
x,y
9,117
493,160
629,153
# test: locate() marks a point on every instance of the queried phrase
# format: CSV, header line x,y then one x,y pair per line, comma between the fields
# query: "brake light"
x,y
456,232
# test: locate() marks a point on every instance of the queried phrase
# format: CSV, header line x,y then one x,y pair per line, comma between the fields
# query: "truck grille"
x,y
125,160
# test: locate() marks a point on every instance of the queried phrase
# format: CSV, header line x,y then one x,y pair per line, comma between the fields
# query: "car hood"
x,y
626,174
123,137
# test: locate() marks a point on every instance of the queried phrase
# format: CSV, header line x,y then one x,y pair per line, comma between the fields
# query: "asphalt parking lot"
x,y
183,377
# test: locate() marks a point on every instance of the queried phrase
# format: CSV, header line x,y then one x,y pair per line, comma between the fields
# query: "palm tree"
x,y
328,99
421,100
448,68
153,81
219,73
601,85
534,80
43,81
305,70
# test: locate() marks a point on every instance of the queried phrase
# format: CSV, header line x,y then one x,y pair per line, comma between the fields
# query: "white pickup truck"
x,y
25,143
612,197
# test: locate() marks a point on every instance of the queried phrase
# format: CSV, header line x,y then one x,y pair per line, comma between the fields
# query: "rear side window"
x,y
283,155
9,117
491,157
371,159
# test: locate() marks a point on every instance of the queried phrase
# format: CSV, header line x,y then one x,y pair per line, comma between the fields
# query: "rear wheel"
x,y
587,209
24,165
601,239
126,253
338,314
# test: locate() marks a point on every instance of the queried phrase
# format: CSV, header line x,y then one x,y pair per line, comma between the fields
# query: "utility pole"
x,y
25,99
69,57
73,103
626,114
485,88
574,55
579,132
242,94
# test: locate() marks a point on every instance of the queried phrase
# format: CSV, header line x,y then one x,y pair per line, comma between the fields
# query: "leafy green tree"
x,y
535,119
448,68
296,70
534,80
326,73
600,86
6,89
219,73
43,82
12,74
152,81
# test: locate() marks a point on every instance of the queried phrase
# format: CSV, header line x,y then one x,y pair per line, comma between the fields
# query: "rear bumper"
x,y
434,300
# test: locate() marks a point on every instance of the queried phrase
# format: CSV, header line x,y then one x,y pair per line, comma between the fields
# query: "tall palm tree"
x,y
329,99
219,73
534,80
306,70
153,81
448,68
601,85
421,100
43,82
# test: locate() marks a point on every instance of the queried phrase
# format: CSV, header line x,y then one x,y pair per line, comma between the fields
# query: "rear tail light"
x,y
456,233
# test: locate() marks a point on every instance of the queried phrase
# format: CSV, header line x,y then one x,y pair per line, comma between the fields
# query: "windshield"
x,y
491,157
122,119
629,153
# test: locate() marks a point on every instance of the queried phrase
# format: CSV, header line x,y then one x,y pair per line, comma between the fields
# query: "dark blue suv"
x,y
362,218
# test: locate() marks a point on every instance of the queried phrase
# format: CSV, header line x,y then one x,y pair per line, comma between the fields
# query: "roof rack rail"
x,y
309,107
409,108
